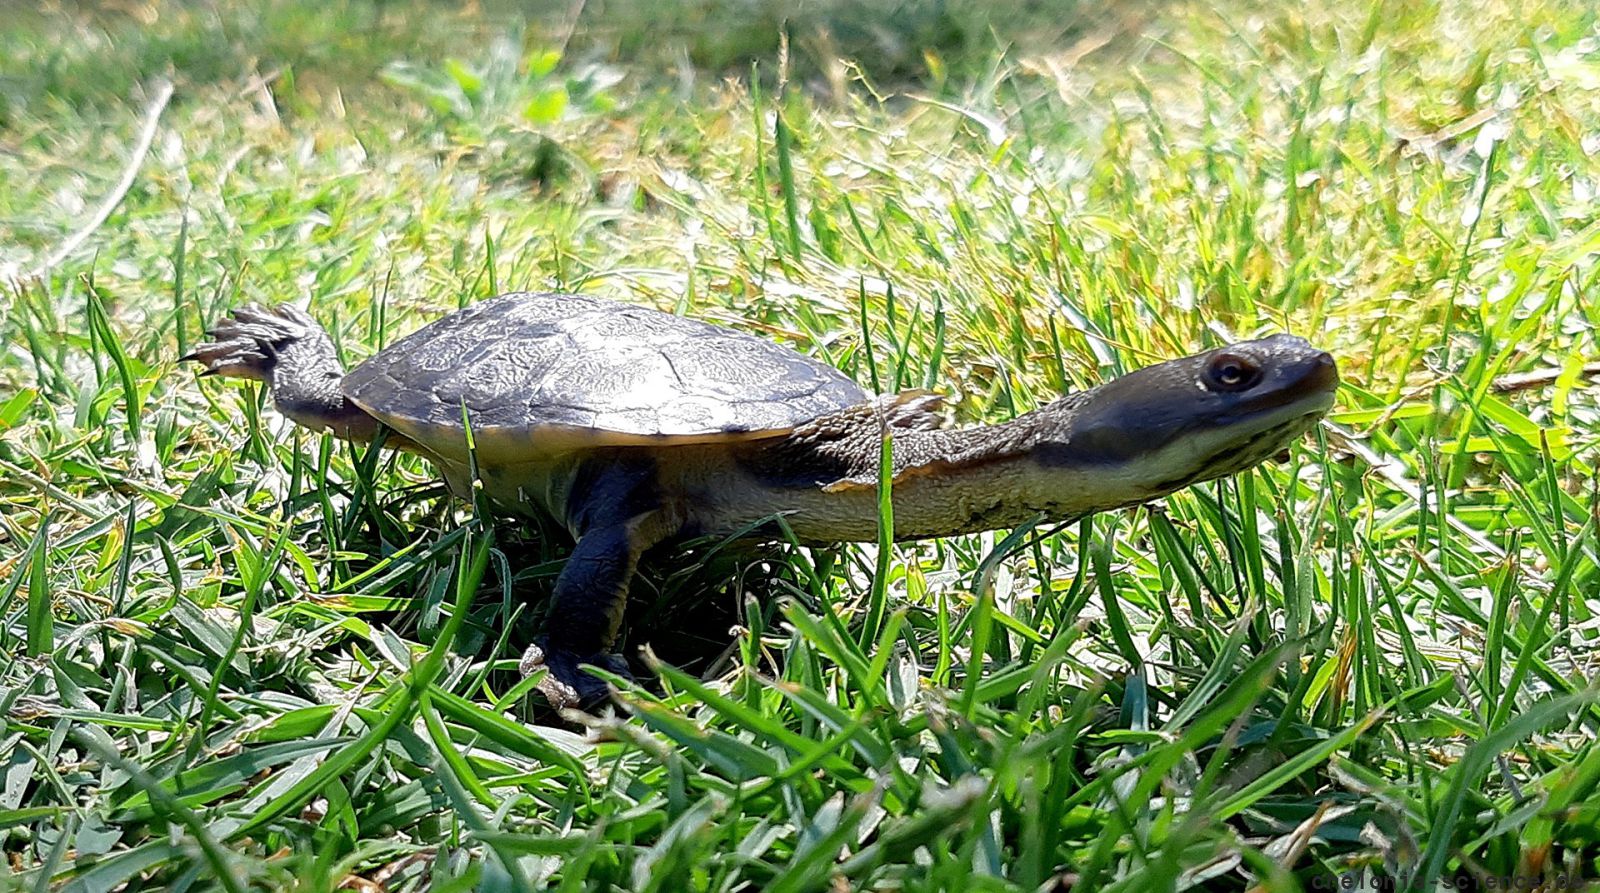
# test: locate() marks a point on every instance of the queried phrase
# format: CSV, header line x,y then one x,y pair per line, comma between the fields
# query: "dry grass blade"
x,y
130,171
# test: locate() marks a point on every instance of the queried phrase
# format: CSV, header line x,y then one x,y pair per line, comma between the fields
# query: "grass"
x,y
235,656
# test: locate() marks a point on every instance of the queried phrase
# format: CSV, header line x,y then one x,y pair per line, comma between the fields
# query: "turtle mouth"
x,y
1262,444
1250,451
1309,391
1278,414
1253,429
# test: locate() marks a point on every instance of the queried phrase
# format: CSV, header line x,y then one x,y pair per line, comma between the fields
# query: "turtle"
x,y
634,428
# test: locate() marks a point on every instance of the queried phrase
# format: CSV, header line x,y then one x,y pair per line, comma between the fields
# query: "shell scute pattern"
x,y
526,361
523,309
616,379
636,323
442,355
739,372
495,376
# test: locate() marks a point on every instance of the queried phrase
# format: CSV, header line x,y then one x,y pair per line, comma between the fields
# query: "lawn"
x,y
236,656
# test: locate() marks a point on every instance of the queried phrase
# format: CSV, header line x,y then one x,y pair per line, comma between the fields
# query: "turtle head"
x,y
1206,416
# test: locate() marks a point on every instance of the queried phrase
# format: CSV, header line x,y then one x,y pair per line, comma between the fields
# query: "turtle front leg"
x,y
591,595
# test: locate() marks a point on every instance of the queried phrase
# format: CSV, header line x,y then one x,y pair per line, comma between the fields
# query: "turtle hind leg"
x,y
285,348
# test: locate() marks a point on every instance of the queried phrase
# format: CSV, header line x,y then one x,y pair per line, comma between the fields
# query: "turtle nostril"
x,y
1325,370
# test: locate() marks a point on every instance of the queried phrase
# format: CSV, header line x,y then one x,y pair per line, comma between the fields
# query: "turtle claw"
x,y
245,344
566,683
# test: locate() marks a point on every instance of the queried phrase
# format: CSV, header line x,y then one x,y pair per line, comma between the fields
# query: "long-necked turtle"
x,y
633,427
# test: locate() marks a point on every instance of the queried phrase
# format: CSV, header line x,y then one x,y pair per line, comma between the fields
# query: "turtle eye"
x,y
1230,372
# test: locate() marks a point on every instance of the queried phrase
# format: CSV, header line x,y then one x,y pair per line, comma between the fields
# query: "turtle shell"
x,y
536,372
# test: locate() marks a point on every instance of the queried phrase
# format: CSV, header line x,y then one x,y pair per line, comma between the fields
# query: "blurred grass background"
x,y
233,656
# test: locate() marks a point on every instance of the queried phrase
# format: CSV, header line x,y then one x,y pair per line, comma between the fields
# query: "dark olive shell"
x,y
589,371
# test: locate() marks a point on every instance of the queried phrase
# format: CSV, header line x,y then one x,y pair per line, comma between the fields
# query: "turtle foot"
x,y
566,683
246,344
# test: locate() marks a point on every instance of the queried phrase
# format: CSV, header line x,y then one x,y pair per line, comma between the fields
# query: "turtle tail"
x,y
288,350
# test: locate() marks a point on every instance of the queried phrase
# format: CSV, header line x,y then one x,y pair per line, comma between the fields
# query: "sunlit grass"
x,y
232,653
